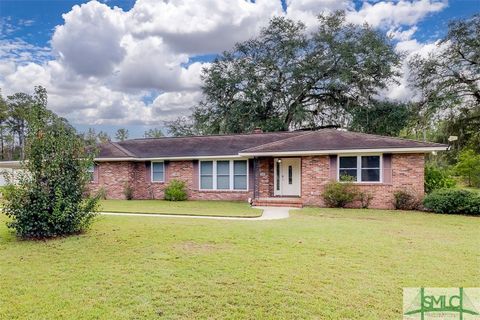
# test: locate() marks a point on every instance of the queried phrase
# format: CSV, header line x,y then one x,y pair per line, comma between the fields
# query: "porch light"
x,y
279,160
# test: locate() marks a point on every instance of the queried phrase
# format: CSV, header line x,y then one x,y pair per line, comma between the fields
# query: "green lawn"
x,y
320,263
198,208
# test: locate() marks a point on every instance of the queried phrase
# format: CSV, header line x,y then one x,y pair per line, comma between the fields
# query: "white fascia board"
x,y
171,158
113,159
345,151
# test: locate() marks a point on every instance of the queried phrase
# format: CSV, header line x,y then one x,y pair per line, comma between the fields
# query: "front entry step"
x,y
278,202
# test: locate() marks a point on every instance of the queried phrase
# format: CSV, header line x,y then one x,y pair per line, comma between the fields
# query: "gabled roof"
x,y
114,150
338,140
323,141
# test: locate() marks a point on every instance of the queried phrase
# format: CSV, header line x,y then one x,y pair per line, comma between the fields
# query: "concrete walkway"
x,y
269,213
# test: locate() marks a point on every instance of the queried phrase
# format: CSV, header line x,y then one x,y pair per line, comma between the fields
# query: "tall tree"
x,y
153,133
121,134
448,81
90,137
20,105
3,125
382,117
103,137
184,126
286,78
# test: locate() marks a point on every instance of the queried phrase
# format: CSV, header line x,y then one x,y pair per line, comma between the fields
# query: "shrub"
x,y
436,178
102,193
176,191
49,199
339,194
405,200
453,201
365,198
128,191
473,207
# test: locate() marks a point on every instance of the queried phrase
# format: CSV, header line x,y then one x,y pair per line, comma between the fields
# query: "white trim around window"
x,y
359,167
152,171
212,174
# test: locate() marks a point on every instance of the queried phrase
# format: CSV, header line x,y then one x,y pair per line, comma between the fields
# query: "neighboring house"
x,y
283,168
10,172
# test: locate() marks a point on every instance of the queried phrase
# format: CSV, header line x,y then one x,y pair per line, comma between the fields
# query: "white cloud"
x,y
389,13
25,77
307,11
208,26
170,105
22,52
150,64
402,35
90,40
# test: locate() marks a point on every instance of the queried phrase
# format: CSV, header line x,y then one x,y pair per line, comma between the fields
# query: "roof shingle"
x,y
232,145
330,139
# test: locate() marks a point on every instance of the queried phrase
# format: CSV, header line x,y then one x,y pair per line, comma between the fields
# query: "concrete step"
x,y
278,202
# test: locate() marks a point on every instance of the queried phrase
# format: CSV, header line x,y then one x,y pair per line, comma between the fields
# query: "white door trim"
x,y
281,178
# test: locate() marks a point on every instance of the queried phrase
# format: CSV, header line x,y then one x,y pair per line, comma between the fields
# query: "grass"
x,y
477,190
320,263
199,208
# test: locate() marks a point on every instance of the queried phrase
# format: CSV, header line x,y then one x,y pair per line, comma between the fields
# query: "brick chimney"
x,y
257,130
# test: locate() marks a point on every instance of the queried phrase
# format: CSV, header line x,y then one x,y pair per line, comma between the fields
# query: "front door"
x,y
287,176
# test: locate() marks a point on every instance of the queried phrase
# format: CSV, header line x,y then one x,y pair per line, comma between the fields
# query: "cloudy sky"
x,y
134,64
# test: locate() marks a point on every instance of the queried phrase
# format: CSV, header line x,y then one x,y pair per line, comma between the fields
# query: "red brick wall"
x,y
315,174
112,176
407,174
265,177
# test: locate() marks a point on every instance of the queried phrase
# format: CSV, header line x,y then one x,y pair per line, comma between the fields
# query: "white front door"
x,y
287,176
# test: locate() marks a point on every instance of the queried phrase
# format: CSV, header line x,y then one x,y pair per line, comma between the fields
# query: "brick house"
x,y
282,168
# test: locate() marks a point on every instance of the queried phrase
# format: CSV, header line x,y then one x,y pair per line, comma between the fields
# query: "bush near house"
x,y
453,201
176,191
340,194
50,199
437,178
128,191
405,200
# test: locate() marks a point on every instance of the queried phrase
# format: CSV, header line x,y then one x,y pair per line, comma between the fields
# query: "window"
x,y
158,169
91,172
206,175
348,169
371,168
224,175
240,175
360,168
290,175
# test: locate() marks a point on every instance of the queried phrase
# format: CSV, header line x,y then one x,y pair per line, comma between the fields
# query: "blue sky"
x,y
145,69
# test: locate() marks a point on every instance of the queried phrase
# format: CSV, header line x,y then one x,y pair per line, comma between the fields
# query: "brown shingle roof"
x,y
113,150
215,145
231,145
331,139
